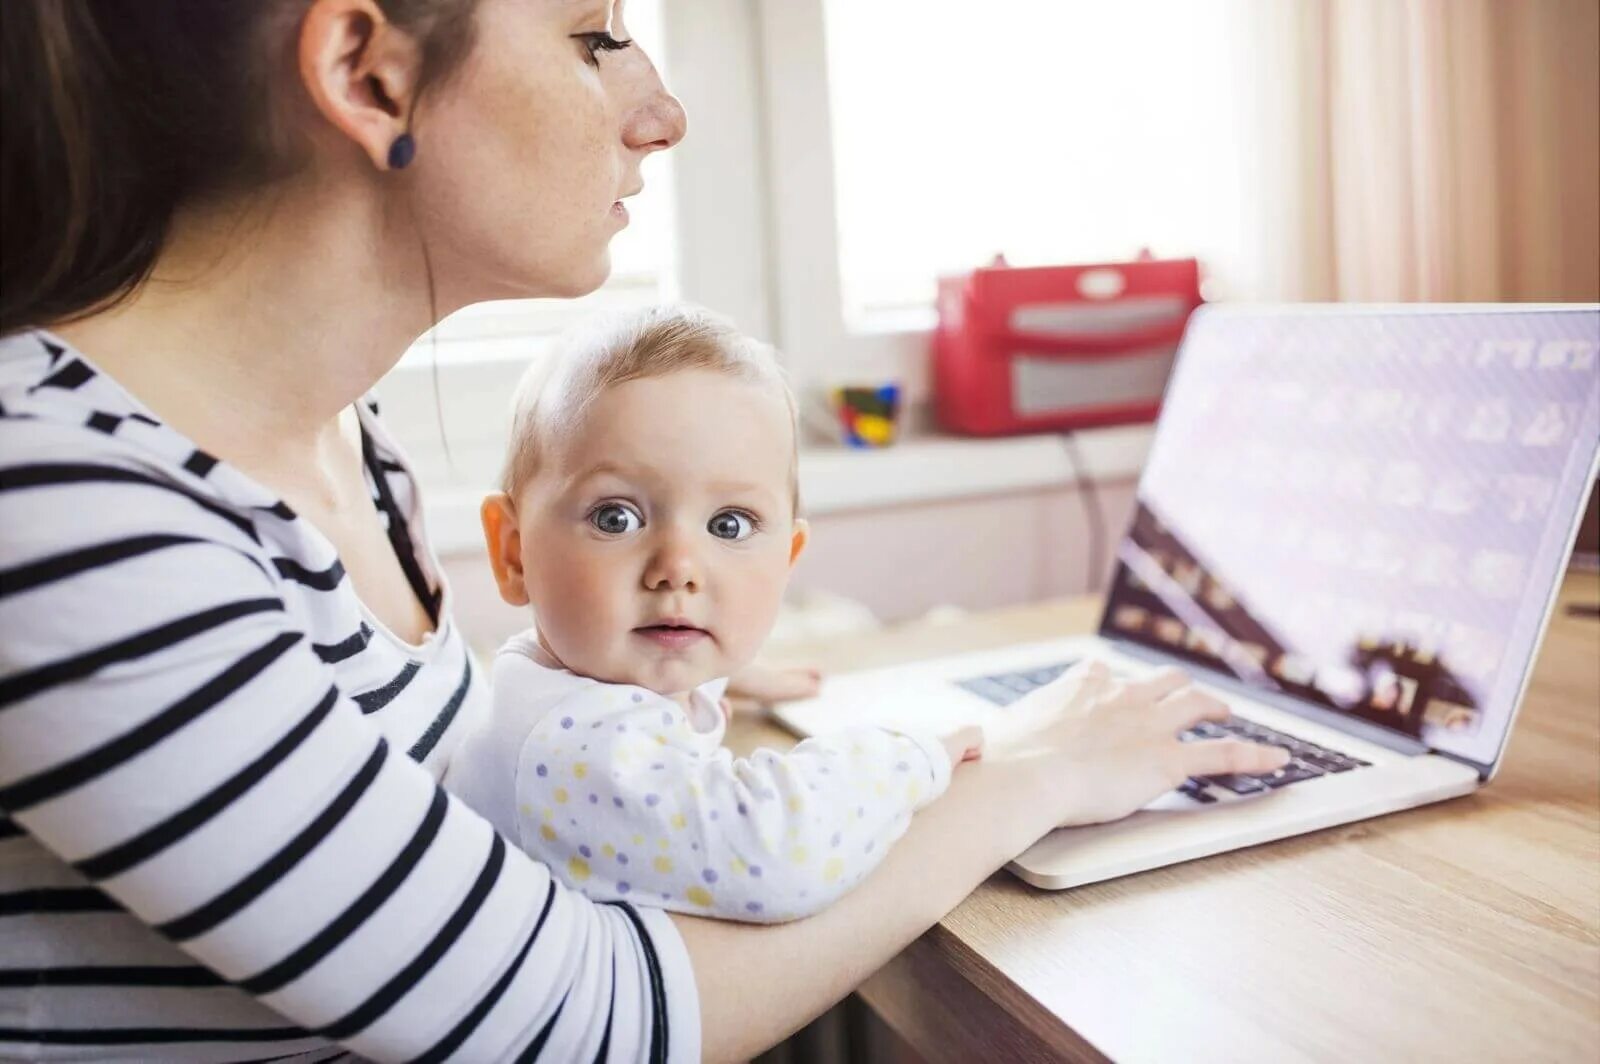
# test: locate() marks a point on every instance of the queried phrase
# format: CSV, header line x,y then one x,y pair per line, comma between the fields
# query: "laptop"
x,y
1351,527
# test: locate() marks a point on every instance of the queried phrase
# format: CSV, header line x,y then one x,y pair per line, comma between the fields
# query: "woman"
x,y
229,679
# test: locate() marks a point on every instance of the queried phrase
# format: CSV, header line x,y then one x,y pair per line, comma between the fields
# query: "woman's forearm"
x,y
797,970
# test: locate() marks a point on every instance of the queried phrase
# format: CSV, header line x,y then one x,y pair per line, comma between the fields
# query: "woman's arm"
x,y
168,733
807,965
1089,750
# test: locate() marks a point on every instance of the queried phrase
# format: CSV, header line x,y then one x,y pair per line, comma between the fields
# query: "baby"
x,y
648,516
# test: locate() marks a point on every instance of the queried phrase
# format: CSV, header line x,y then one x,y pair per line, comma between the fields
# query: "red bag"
x,y
1047,348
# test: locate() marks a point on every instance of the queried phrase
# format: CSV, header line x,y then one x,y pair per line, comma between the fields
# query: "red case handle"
x,y
1088,345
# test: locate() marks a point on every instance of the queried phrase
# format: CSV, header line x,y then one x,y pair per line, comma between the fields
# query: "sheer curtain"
x,y
1426,149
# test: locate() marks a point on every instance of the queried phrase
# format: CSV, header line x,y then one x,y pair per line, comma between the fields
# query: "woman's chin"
x,y
582,281
539,281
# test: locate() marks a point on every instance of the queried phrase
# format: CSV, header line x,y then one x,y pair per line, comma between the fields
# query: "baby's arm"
x,y
622,799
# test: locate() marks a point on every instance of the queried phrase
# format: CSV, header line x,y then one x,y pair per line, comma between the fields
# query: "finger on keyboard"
x,y
1225,757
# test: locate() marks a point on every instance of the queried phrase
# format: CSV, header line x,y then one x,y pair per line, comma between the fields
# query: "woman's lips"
x,y
672,637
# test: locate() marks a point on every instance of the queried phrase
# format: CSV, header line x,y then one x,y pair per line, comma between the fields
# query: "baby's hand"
x,y
764,685
964,744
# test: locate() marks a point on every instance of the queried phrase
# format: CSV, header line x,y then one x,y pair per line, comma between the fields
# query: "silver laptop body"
x,y
1352,527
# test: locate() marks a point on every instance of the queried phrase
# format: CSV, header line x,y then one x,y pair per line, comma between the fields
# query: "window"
x,y
1068,131
834,167
908,138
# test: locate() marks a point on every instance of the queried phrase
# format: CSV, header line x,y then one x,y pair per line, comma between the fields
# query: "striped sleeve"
x,y
168,731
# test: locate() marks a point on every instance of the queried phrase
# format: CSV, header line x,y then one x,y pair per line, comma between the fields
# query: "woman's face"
x,y
526,154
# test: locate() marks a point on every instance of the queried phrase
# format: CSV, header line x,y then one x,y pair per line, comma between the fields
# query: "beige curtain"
x,y
1426,149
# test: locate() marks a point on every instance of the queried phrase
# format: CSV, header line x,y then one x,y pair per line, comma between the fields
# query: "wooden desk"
x,y
1468,930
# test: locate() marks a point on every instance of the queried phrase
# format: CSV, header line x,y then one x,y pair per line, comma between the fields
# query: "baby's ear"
x,y
798,540
499,516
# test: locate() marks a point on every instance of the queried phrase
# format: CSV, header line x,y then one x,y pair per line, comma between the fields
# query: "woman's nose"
x,y
657,123
656,120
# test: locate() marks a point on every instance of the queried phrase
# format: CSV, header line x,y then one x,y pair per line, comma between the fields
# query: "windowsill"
x,y
939,468
926,469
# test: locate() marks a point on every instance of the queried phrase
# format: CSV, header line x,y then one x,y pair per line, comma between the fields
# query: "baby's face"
x,y
656,539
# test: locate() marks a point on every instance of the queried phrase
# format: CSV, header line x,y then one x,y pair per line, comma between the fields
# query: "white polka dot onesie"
x,y
627,796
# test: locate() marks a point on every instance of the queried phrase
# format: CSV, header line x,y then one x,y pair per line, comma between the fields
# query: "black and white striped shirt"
x,y
221,831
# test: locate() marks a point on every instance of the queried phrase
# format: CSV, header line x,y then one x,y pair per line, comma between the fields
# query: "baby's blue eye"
x,y
732,525
616,519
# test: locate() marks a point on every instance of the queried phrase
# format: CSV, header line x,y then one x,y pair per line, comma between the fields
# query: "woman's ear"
x,y
500,535
361,72
798,540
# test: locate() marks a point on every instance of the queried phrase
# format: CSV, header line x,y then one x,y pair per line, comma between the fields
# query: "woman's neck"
x,y
265,318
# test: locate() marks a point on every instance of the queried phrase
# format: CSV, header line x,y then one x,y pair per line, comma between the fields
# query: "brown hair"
x,y
114,113
612,349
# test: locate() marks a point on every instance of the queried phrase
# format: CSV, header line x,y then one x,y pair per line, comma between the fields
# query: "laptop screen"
x,y
1366,508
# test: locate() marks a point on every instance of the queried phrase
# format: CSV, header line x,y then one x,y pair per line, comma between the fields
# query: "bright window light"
x,y
1047,130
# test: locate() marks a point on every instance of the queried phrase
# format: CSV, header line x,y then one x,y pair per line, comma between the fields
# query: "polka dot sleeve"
x,y
626,801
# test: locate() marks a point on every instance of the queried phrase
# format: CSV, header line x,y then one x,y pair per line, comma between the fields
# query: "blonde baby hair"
x,y
614,348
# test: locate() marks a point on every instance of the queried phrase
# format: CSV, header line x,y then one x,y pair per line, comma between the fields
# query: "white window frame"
x,y
811,326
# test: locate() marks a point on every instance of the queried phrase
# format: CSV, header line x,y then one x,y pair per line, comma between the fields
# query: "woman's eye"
x,y
731,524
601,41
615,519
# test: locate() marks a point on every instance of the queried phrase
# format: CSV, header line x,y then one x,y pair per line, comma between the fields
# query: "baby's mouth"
x,y
672,635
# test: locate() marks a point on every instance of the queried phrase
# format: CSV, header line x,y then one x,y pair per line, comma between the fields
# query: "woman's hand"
x,y
1096,749
1083,749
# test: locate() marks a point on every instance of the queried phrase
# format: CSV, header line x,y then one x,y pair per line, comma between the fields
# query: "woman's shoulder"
x,y
42,377
55,404
77,451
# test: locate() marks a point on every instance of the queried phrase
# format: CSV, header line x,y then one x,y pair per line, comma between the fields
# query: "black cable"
x,y
1093,511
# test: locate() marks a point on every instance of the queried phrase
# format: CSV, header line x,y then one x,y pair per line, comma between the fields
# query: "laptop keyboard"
x,y
1007,687
1307,760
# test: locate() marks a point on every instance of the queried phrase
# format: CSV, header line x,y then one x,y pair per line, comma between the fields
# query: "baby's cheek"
x,y
578,635
754,610
577,608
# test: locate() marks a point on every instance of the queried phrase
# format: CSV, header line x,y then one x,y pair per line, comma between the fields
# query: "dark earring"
x,y
402,151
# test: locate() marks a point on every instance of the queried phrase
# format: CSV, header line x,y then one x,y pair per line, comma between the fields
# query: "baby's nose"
x,y
675,567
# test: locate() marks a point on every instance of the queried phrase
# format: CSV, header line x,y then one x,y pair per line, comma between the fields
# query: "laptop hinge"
x,y
1479,767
